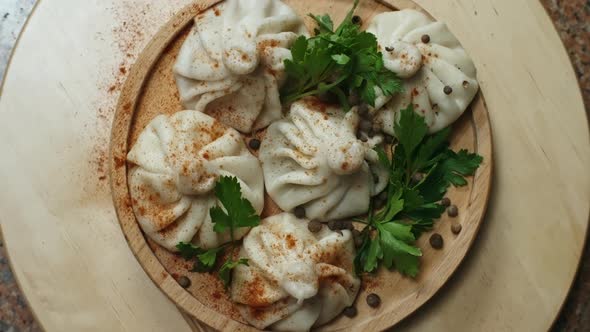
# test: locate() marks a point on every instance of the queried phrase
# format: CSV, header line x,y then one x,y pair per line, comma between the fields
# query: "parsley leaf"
x,y
408,264
227,267
451,168
383,159
188,251
236,212
325,23
394,206
397,250
339,63
374,254
422,218
205,259
208,258
411,208
362,254
429,152
410,130
240,212
341,59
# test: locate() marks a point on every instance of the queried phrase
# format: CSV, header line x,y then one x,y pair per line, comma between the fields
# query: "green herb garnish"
x,y
236,212
411,207
338,62
225,271
240,212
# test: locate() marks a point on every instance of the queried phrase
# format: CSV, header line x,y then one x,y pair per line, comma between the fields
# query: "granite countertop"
x,y
572,19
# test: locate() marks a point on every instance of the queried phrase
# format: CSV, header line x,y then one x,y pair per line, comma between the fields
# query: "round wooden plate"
x,y
151,90
65,244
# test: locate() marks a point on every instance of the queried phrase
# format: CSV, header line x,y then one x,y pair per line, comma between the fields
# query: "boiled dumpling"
x,y
231,64
313,159
439,77
177,161
295,279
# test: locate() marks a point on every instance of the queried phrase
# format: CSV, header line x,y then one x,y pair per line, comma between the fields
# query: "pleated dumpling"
x,y
313,159
231,64
295,279
439,77
177,160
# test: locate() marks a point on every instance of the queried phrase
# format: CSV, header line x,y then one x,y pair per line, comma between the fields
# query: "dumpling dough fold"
x,y
295,279
429,58
231,64
177,161
314,159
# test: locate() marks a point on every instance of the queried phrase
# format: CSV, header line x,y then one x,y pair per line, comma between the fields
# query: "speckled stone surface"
x,y
15,315
572,19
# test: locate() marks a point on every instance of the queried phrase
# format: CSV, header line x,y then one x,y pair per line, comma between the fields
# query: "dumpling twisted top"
x,y
295,279
231,64
439,76
314,159
177,161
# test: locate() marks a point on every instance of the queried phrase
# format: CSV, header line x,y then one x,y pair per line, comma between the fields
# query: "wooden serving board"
x,y
151,90
70,256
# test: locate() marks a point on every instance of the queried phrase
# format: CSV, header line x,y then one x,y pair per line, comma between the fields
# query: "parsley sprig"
x,y
338,62
236,212
411,207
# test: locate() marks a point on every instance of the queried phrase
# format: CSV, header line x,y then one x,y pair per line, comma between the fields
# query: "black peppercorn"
x,y
349,312
373,300
425,39
184,282
448,90
453,211
254,144
456,228
299,212
436,241
333,225
314,226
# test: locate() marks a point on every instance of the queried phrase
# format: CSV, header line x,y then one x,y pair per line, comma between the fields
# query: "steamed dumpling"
x,y
314,159
231,64
178,159
295,279
430,60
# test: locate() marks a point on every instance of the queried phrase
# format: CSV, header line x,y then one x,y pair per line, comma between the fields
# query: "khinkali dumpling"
x,y
231,64
295,279
178,160
439,77
313,158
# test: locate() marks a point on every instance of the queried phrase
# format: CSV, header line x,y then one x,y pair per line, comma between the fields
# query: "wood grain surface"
x,y
71,259
150,91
